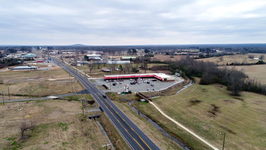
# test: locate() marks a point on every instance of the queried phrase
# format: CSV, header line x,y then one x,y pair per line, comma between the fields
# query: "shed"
x,y
105,70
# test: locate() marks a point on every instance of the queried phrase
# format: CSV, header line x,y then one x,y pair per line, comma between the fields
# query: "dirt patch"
x,y
213,112
219,85
194,102
228,130
204,90
238,98
229,101
258,102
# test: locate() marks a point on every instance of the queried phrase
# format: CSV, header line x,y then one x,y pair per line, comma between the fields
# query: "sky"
x,y
132,22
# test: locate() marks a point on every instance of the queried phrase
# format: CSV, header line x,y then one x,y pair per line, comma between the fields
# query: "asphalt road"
x,y
135,138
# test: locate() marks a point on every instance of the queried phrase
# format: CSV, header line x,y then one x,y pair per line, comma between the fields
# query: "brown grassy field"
x,y
254,72
161,57
58,126
36,83
232,59
210,109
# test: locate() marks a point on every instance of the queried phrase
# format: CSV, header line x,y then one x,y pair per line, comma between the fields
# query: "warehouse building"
x,y
24,68
30,55
94,57
128,58
118,62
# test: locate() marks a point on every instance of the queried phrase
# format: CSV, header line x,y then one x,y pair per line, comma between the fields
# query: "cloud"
x,y
130,22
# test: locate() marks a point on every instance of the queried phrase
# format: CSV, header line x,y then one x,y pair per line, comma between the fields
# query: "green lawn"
x,y
209,110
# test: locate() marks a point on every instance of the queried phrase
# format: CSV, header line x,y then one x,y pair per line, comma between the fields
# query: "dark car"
x,y
104,96
148,82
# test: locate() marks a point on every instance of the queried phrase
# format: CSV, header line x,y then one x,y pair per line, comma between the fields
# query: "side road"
x,y
44,98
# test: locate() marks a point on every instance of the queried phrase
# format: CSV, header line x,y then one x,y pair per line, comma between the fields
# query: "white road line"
x,y
183,127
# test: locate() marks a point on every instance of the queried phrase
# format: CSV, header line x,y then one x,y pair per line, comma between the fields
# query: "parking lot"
x,y
144,85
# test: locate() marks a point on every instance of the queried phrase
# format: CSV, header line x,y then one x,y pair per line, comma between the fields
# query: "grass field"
x,y
232,59
161,57
210,109
36,83
58,126
254,72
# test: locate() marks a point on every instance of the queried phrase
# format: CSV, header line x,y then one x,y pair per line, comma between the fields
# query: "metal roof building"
x,y
24,68
30,55
118,62
128,58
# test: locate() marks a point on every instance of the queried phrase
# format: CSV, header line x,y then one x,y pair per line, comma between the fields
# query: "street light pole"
x,y
223,140
3,98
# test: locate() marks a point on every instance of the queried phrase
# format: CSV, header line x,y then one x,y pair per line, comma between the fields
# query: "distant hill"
x,y
77,45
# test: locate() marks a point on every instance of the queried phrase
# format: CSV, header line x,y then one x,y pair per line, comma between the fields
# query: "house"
x,y
94,57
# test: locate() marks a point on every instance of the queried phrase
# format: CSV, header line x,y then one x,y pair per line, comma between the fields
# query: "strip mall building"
x,y
159,76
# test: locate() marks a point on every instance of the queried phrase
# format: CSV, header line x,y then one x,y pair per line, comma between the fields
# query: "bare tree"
x,y
236,80
26,126
1,80
262,57
221,58
98,64
91,66
113,66
145,61
127,67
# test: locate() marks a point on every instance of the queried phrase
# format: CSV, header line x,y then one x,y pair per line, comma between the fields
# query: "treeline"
x,y
212,55
9,62
260,62
209,73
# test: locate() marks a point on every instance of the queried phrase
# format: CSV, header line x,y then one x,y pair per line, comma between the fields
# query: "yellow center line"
x,y
128,125
123,127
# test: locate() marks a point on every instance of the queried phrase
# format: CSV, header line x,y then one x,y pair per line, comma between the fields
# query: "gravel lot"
x,y
141,87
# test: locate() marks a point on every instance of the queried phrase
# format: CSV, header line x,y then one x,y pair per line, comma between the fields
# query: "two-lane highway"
x,y
130,132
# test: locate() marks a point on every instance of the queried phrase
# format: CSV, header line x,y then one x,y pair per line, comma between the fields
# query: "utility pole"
x,y
8,92
223,140
3,98
82,107
72,85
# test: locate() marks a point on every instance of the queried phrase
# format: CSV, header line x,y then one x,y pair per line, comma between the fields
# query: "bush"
x,y
134,69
